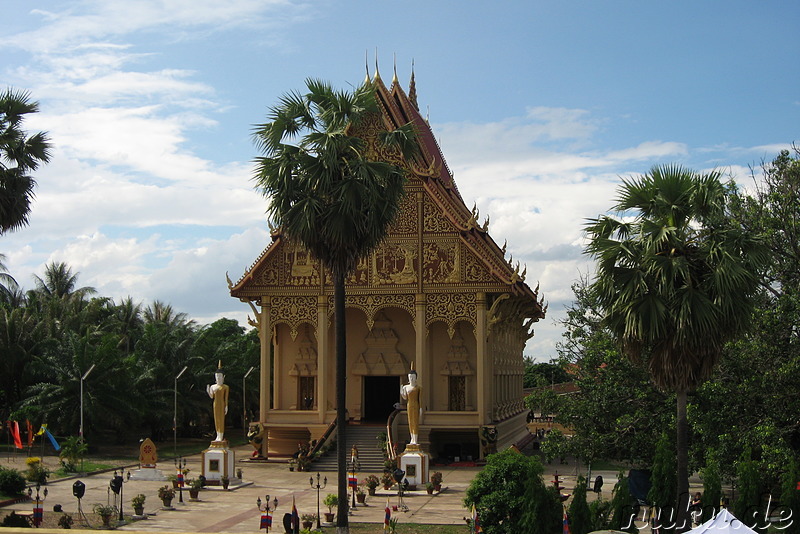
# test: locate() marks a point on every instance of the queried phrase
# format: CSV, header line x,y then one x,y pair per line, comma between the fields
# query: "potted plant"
x,y
138,504
292,463
331,501
429,488
239,473
225,481
361,495
436,480
307,520
371,482
387,480
166,494
173,478
194,487
65,521
105,512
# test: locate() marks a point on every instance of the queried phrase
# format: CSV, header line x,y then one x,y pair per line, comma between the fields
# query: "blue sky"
x,y
540,108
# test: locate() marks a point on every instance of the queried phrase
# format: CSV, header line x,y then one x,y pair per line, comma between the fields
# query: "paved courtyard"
x,y
235,510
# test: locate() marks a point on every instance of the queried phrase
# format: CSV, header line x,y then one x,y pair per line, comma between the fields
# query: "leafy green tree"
x,y
21,339
509,494
327,194
615,412
790,495
543,373
623,511
748,491
662,490
20,156
580,521
676,280
712,485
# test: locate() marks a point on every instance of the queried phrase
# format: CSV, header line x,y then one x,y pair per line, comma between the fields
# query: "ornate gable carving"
x,y
433,221
451,308
294,311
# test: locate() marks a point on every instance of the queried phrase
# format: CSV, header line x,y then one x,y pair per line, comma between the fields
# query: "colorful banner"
x,y
476,522
295,518
266,521
565,529
47,433
180,478
15,434
38,515
352,482
30,433
387,515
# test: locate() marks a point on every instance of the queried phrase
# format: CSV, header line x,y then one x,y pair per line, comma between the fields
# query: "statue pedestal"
x,y
415,463
218,461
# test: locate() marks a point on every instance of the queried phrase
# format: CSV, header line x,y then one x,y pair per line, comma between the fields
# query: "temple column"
x,y
483,374
265,338
322,357
422,362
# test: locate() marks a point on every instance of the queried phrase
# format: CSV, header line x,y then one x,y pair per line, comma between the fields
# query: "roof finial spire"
x,y
366,66
412,88
394,78
377,73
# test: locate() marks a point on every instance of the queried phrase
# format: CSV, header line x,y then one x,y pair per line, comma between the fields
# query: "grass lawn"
x,y
409,528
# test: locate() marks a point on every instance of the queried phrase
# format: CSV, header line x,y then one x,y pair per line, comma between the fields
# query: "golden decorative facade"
x,y
439,292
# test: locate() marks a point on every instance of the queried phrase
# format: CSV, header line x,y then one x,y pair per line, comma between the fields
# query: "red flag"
x,y
387,516
15,434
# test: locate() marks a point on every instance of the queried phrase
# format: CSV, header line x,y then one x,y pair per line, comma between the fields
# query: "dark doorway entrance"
x,y
380,395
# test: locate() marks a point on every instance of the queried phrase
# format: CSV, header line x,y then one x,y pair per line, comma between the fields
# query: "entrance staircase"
x,y
369,455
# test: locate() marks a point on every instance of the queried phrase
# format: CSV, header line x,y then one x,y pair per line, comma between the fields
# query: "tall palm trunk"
x,y
342,525
682,461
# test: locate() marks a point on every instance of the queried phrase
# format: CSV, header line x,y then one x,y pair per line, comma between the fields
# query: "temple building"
x,y
439,293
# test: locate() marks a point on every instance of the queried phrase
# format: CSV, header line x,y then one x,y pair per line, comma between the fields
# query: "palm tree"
x,y
59,281
676,279
9,289
326,194
20,155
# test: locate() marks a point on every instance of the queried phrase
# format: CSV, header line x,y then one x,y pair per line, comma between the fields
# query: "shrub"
x,y
14,520
579,515
510,496
11,482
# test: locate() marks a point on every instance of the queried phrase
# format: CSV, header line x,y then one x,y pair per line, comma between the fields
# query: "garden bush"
x,y
11,482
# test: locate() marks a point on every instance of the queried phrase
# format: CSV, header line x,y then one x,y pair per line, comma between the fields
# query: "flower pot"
x,y
371,491
167,503
429,490
437,487
194,493
329,517
361,497
307,524
106,520
138,510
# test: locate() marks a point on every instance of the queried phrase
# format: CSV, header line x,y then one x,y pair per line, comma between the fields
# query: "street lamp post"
x,y
244,400
180,466
82,379
318,487
175,415
266,509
